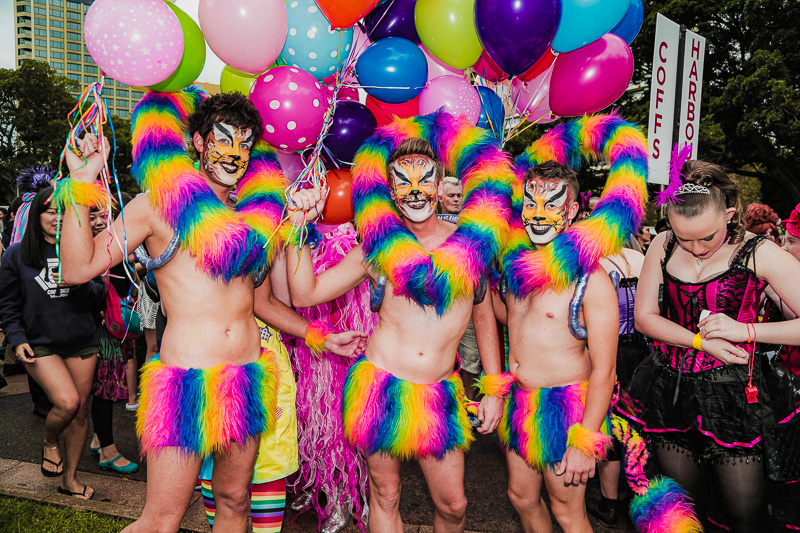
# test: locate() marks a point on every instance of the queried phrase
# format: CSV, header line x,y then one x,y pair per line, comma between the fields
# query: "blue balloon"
x,y
584,21
628,28
493,113
311,43
392,70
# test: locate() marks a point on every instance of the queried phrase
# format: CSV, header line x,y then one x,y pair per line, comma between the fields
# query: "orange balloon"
x,y
339,207
344,13
544,63
385,113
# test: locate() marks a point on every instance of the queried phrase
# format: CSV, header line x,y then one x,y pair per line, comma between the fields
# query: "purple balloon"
x,y
352,124
516,33
392,19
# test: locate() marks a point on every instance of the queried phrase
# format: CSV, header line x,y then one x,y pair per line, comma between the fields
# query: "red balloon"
x,y
344,13
339,207
540,66
386,113
487,69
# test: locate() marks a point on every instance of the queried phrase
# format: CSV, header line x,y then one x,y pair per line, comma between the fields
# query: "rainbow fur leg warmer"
x,y
384,414
618,214
204,410
69,193
660,505
536,423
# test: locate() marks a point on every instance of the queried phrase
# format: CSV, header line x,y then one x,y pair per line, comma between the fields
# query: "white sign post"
x,y
693,57
662,99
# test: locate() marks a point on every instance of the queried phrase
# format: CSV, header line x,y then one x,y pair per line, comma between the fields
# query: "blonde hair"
x,y
451,179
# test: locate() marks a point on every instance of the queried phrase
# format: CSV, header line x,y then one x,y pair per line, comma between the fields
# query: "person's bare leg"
x,y
82,372
608,472
525,493
469,380
232,475
568,503
132,381
446,484
171,478
384,494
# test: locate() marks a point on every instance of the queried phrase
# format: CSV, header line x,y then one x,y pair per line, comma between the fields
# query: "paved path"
x,y
20,450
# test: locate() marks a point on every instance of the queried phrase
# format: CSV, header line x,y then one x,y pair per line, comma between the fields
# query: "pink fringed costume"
x,y
328,463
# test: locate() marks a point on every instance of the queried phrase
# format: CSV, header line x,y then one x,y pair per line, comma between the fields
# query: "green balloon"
x,y
232,81
194,55
447,29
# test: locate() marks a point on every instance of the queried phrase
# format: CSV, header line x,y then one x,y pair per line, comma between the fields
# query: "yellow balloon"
x,y
232,80
447,29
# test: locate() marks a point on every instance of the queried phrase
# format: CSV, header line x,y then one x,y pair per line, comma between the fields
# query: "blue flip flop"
x,y
109,465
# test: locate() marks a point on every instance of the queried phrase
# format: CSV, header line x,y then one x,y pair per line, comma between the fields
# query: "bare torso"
x,y
209,322
542,351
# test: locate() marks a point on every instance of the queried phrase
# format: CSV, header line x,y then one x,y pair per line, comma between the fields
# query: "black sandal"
x,y
82,495
50,473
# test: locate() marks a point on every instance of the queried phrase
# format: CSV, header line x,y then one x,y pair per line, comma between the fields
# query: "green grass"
x,y
27,516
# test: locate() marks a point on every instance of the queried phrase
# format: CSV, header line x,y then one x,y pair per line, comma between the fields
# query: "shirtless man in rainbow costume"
x,y
405,399
212,389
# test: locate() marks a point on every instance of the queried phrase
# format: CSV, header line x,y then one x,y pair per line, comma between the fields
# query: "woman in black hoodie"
x,y
50,325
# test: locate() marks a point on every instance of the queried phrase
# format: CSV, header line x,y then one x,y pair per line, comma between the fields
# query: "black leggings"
x,y
739,482
102,419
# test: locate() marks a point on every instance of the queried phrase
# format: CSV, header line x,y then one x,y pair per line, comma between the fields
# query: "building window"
x,y
123,113
122,92
74,25
56,23
74,5
23,9
74,46
74,36
40,2
109,82
90,69
88,59
41,53
40,42
40,11
73,67
136,94
57,44
25,41
57,13
39,22
24,20
120,84
57,65
57,3
74,57
57,34
56,55
122,103
40,32
74,77
74,16
90,79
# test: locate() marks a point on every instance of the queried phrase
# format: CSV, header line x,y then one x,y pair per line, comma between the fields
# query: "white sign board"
x,y
693,56
662,99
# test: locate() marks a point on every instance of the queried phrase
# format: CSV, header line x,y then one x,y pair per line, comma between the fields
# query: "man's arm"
x,y
483,320
500,309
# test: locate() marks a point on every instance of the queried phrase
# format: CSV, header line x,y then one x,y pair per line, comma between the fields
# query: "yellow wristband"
x,y
697,343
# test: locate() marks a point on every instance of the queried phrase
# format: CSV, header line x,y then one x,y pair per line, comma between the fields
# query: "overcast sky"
x,y
210,73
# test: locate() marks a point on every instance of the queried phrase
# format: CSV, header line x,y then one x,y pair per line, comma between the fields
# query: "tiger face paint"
x,y
226,153
545,209
414,187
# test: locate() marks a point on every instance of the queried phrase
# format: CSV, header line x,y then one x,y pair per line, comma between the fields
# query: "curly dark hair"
x,y
233,108
723,194
554,171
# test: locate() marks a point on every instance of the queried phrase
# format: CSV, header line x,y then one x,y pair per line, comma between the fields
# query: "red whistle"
x,y
752,394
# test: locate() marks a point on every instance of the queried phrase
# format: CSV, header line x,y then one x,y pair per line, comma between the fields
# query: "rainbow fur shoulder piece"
x,y
226,242
618,214
453,270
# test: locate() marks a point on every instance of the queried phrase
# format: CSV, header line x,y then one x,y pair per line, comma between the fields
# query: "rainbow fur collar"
x,y
226,243
618,214
454,269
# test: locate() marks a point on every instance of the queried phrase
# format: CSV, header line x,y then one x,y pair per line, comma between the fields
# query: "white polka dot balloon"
x,y
138,42
312,44
291,102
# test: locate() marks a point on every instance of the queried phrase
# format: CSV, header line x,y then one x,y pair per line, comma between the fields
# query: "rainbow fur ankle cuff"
x,y
316,333
204,410
592,443
70,193
495,384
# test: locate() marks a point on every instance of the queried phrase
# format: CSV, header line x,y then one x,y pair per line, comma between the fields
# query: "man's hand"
x,y
576,466
87,166
347,344
489,412
24,353
306,205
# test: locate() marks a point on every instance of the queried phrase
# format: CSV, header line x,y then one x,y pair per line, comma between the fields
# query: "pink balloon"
x,y
533,98
138,42
248,35
436,68
455,94
487,69
291,163
592,77
345,93
292,104
360,43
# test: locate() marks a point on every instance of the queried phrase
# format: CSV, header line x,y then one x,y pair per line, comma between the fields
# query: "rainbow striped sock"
x,y
208,500
267,503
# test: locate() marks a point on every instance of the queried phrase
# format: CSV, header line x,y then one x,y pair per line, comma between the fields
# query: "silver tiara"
x,y
692,188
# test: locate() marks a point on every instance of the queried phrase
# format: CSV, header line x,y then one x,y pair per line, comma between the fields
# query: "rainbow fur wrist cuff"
x,y
70,192
316,333
592,443
495,384
297,235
